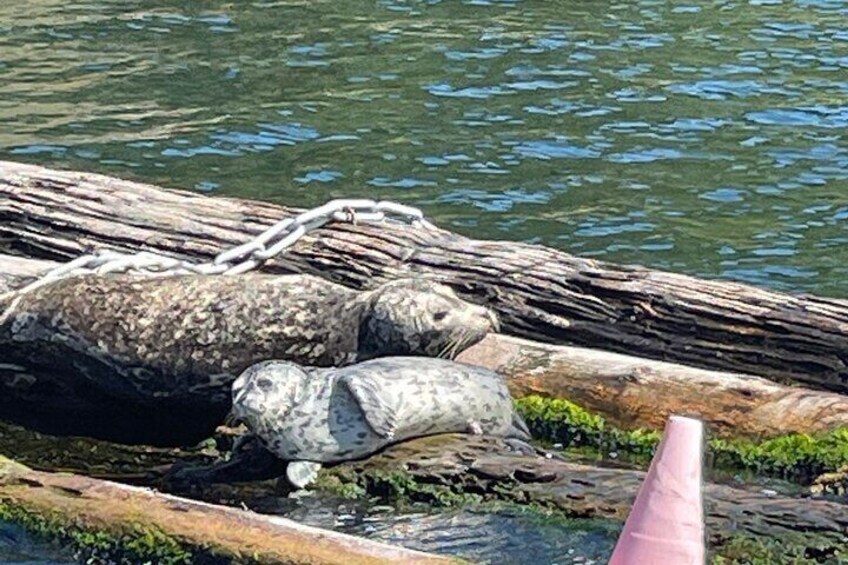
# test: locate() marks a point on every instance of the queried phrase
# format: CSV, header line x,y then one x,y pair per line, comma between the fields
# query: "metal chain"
x,y
242,258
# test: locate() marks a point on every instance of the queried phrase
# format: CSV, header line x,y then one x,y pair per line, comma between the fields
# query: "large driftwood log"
x,y
483,465
217,532
628,391
540,293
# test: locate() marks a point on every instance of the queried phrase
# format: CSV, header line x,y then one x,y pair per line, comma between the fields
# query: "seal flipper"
x,y
381,417
302,473
250,461
519,428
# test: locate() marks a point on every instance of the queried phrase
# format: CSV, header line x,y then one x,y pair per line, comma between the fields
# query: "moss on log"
x,y
800,457
540,293
460,470
110,520
450,469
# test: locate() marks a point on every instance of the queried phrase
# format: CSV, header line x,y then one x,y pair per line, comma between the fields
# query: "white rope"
x,y
244,257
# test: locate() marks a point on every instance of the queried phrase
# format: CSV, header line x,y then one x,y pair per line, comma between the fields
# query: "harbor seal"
x,y
162,353
310,416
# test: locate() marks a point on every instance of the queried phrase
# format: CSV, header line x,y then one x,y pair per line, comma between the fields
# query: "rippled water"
x,y
703,137
501,537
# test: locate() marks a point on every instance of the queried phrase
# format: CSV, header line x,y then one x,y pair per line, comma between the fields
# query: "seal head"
x,y
420,317
266,393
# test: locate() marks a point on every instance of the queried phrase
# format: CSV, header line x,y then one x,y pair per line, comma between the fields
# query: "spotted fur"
x,y
337,414
186,338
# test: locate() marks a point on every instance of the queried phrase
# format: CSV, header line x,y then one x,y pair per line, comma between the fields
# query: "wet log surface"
x,y
217,533
629,392
459,464
485,466
539,293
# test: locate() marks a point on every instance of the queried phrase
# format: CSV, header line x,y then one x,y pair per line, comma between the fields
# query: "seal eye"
x,y
439,316
264,384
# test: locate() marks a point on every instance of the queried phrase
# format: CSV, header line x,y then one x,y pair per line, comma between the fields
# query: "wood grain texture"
x,y
632,392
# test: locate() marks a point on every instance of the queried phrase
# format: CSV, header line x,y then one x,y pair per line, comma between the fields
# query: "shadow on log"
x,y
539,293
143,523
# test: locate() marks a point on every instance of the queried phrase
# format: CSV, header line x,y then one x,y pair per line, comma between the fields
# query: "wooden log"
x,y
629,392
483,465
539,293
16,272
128,514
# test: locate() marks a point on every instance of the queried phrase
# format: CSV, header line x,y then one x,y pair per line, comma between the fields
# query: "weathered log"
x,y
628,391
128,514
484,466
16,272
540,293
638,393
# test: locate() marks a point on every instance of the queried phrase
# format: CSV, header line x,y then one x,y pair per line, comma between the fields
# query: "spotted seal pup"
x,y
162,353
309,416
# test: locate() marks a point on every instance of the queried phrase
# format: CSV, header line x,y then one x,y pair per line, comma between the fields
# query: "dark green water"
x,y
18,548
702,137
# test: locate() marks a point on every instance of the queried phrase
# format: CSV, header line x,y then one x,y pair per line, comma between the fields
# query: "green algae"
x,y
395,486
144,545
799,457
791,549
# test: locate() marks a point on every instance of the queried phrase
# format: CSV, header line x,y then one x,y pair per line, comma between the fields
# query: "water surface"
x,y
702,137
19,548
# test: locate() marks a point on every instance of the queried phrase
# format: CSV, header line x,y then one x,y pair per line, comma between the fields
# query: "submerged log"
x,y
539,293
628,391
133,518
484,466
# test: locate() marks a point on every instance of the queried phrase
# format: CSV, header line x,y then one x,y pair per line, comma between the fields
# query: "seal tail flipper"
x,y
519,428
380,415
301,473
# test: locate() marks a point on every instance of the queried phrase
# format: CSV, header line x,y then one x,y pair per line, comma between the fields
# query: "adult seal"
x,y
310,416
153,359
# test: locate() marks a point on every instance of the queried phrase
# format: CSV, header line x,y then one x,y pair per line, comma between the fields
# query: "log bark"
x,y
228,534
629,392
16,272
539,293
483,465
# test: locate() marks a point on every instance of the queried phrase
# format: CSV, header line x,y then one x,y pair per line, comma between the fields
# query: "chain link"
x,y
244,257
